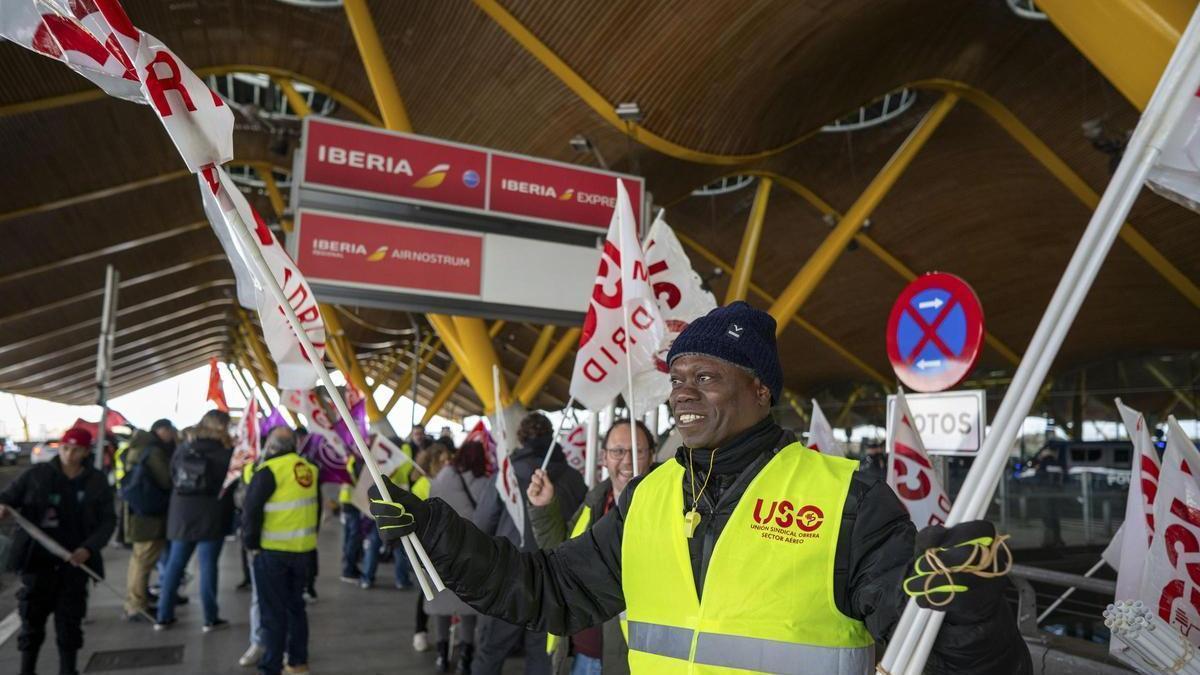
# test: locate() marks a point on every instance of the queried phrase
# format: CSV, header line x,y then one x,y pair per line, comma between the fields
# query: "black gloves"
x,y
958,570
397,515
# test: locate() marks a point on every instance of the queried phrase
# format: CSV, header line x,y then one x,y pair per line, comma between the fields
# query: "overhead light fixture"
x,y
582,144
629,112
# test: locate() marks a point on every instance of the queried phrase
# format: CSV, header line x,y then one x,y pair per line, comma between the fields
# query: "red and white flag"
x,y
1176,174
1127,551
820,434
621,295
574,446
96,39
246,449
1171,580
910,472
681,299
227,208
506,477
216,393
479,434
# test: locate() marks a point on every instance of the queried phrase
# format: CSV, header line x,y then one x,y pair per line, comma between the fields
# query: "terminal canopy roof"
x,y
728,91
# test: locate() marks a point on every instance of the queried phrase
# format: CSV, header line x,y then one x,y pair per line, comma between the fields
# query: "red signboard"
x,y
363,252
530,188
362,160
935,332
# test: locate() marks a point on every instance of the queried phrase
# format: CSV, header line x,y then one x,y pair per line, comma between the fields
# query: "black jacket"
x,y
208,516
578,583
492,517
43,494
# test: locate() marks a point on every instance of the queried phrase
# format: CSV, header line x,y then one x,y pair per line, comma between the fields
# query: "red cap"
x,y
77,436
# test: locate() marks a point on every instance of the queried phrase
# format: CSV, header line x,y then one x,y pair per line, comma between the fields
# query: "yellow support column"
x,y
546,368
426,355
743,269
451,381
481,354
806,280
347,361
535,355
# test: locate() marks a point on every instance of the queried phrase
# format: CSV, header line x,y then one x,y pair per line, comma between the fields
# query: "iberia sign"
x,y
352,159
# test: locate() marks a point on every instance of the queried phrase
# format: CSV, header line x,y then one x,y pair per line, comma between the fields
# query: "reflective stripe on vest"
x,y
768,594
290,515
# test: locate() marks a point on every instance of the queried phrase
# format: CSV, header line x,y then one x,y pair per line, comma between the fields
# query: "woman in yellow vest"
x,y
282,510
746,553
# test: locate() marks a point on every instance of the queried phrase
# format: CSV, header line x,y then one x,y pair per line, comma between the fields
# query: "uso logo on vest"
x,y
782,521
304,475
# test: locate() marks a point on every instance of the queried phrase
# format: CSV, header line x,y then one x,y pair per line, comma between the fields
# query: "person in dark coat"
x,y
725,377
146,532
496,637
596,648
72,503
200,516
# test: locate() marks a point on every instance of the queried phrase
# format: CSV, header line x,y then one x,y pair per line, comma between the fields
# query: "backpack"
x,y
139,491
189,472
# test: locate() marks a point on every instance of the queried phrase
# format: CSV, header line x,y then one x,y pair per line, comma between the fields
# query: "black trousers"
x,y
63,592
496,639
279,580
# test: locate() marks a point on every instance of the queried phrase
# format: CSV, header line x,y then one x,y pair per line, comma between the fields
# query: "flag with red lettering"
x,y
324,446
1171,580
621,296
506,478
820,434
227,209
245,450
910,472
574,446
96,39
479,434
216,393
1127,551
681,299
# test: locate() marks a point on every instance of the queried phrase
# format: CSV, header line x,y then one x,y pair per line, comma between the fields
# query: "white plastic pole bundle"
x,y
1161,648
417,555
915,633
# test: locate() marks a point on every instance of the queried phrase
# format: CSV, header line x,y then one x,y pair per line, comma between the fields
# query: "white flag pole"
x,y
914,635
557,434
104,351
625,264
416,552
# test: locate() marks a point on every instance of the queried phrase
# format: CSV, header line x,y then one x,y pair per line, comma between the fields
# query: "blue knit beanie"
x,y
738,334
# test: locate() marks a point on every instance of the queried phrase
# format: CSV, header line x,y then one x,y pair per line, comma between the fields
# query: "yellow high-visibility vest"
x,y
290,515
581,526
119,461
346,491
768,594
421,487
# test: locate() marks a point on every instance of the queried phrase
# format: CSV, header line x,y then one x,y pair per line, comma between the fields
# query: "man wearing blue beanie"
x,y
748,552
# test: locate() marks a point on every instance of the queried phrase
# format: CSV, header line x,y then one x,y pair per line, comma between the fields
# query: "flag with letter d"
x,y
910,472
621,294
820,434
1171,580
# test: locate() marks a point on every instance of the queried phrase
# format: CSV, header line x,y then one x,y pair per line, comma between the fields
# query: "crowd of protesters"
x,y
170,501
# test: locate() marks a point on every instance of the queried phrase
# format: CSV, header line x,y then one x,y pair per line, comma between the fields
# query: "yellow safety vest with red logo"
x,y
768,594
290,515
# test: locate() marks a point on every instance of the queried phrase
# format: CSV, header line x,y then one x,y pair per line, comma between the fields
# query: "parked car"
x,y
9,452
43,452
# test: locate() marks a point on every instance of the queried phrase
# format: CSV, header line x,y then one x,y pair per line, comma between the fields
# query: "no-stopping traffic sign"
x,y
935,332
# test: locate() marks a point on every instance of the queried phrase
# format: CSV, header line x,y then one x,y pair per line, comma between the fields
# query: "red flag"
x,y
910,472
216,393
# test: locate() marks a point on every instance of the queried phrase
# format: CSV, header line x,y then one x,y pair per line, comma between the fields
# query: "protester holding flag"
x,y
73,504
794,561
149,475
497,637
594,648
201,515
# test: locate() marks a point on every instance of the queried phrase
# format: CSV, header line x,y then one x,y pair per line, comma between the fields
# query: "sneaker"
x,y
164,625
251,657
298,668
348,580
364,584
310,597
215,625
421,642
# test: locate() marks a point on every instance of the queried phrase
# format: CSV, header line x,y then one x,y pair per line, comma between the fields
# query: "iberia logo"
x,y
567,196
433,178
304,474
379,254
782,521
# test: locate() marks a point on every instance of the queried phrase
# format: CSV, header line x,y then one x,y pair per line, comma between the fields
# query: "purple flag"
x,y
329,456
266,424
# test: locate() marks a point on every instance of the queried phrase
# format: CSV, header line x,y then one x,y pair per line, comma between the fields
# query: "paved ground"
x,y
352,630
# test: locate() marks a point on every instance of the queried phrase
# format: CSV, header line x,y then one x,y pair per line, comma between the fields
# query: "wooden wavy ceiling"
x,y
723,77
